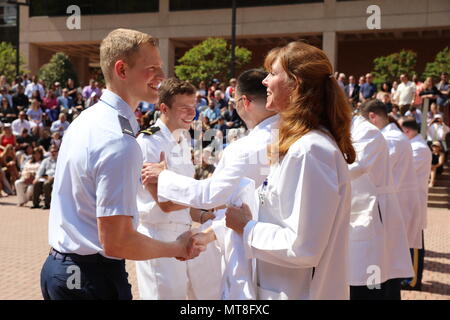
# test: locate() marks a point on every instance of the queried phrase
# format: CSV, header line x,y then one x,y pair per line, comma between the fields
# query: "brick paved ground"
x,y
23,248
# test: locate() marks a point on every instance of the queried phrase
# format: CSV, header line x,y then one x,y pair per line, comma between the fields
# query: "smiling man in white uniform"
x,y
164,278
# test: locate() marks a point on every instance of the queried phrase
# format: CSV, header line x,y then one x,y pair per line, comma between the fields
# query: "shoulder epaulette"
x,y
126,126
150,130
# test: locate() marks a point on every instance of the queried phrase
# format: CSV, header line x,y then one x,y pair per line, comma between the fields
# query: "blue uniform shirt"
x,y
97,175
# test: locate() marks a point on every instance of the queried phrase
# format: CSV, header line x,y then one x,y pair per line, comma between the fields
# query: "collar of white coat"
x,y
418,138
390,127
269,123
115,101
356,120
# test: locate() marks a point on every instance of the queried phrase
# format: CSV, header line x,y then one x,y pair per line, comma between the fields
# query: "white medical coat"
x,y
422,163
405,181
378,247
300,240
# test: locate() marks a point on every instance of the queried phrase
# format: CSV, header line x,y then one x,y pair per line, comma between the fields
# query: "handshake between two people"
x,y
236,218
193,243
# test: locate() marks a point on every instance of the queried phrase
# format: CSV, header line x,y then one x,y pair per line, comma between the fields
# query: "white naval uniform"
x,y
377,232
97,173
300,240
422,163
405,181
246,157
163,278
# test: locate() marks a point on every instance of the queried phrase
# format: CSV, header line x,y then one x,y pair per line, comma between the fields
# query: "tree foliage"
x,y
440,64
8,61
389,68
210,59
58,69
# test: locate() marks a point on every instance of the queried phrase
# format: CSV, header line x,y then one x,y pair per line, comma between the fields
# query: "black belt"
x,y
91,258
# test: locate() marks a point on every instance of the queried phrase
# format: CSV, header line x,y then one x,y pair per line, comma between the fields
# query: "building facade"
x,y
339,27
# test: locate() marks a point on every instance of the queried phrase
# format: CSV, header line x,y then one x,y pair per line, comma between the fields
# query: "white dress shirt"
x,y
31,87
18,125
437,132
405,93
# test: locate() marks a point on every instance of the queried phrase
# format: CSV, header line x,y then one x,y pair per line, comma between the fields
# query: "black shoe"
x,y
406,285
36,207
46,207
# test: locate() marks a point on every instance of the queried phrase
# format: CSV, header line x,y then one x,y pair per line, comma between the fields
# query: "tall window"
x,y
8,30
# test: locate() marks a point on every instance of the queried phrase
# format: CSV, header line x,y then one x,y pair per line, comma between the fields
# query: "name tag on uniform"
x,y
126,126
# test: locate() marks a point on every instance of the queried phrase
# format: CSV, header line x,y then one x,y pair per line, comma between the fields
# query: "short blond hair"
x,y
122,44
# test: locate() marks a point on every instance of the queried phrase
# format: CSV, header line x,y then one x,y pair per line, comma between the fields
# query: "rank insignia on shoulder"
x,y
126,126
151,130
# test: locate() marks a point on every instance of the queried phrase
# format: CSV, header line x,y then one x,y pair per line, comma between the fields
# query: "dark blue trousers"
x,y
75,277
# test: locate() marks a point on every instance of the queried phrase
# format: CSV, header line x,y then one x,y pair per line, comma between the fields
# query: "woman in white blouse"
x,y
300,240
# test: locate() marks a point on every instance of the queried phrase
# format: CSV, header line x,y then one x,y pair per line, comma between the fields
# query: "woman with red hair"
x,y
300,240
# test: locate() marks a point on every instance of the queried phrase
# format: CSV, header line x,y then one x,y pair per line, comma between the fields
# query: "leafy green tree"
x,y
210,59
8,61
59,68
440,64
389,68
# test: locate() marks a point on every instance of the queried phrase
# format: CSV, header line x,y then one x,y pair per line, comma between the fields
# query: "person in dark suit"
x,y
352,91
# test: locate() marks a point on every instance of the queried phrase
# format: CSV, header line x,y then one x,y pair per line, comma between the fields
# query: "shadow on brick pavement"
x,y
24,247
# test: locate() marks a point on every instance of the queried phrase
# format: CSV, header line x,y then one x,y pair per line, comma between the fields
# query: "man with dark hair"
x,y
20,100
232,118
246,157
405,181
165,278
422,164
352,90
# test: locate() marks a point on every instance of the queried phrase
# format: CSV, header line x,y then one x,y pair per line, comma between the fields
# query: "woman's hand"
x,y
237,218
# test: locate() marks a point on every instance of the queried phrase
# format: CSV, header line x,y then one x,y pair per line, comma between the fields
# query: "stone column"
x,y
167,50
330,46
